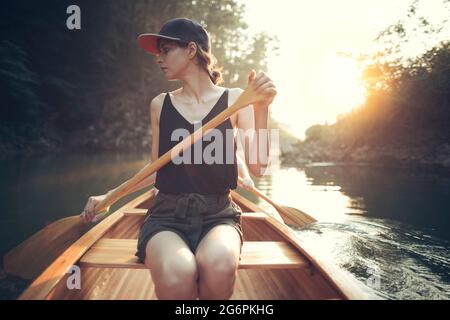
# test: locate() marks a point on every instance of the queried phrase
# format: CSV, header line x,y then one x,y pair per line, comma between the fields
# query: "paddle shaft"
x,y
290,213
247,97
262,195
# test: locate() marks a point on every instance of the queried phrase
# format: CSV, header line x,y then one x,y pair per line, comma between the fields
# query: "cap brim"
x,y
148,41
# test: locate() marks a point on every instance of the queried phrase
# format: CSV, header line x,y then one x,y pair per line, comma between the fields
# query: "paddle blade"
x,y
295,216
31,257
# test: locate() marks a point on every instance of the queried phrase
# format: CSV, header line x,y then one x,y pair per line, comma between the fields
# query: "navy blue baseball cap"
x,y
178,29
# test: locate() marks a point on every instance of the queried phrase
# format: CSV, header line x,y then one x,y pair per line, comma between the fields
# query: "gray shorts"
x,y
190,215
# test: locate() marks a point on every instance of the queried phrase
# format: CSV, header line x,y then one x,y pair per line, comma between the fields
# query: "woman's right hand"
x,y
89,213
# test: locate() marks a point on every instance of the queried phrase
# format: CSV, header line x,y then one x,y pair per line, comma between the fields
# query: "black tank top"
x,y
217,177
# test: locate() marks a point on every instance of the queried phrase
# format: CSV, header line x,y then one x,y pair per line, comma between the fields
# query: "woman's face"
x,y
172,59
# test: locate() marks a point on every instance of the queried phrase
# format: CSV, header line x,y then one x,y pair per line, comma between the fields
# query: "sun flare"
x,y
342,85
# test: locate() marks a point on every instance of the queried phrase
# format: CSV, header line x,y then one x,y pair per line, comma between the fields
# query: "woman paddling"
x,y
191,238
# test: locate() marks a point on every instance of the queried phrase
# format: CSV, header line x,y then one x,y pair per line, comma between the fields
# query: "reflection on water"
x,y
388,228
390,225
37,191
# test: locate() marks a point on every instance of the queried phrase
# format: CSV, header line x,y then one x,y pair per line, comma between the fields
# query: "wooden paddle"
x,y
31,257
290,215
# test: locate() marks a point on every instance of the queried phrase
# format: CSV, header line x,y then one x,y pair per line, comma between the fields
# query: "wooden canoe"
x,y
274,263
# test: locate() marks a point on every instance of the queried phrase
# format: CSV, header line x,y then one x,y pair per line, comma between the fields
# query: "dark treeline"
x,y
89,89
406,117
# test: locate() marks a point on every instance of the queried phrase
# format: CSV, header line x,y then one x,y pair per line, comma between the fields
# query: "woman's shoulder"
x,y
231,90
235,90
158,99
234,93
156,105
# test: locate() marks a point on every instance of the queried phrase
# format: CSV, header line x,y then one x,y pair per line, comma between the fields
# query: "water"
x,y
387,228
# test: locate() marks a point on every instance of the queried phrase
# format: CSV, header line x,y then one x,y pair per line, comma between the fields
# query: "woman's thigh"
x,y
221,244
167,252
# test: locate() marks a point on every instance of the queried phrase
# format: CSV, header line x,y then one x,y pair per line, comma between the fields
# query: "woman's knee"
x,y
217,274
219,262
179,269
175,279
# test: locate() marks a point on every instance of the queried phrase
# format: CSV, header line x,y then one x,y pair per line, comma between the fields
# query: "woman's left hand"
x,y
263,84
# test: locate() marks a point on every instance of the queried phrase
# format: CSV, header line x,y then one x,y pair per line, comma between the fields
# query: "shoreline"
x,y
391,165
287,159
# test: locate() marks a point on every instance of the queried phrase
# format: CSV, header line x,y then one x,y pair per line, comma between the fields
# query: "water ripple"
x,y
410,264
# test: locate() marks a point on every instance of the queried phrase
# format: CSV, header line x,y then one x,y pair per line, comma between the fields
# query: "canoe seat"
x,y
245,215
119,253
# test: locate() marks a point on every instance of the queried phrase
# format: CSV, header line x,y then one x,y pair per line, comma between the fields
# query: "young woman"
x,y
191,239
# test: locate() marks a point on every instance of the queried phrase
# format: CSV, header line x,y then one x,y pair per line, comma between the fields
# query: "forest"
x,y
89,89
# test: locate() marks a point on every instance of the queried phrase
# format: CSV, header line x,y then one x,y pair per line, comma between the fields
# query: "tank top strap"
x,y
221,105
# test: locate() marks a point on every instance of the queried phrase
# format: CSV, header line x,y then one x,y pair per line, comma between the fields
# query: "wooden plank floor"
x,y
251,284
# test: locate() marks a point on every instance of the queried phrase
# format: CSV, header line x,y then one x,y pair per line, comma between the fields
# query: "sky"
x,y
314,83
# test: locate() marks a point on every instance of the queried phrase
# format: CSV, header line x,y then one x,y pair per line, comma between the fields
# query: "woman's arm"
x,y
247,181
242,168
252,122
89,212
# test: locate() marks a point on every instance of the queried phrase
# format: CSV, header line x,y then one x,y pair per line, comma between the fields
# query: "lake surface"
x,y
389,228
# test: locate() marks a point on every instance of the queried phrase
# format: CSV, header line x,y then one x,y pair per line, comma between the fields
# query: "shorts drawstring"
x,y
188,203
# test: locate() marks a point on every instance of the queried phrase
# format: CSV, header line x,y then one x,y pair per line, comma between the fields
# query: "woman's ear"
x,y
192,49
